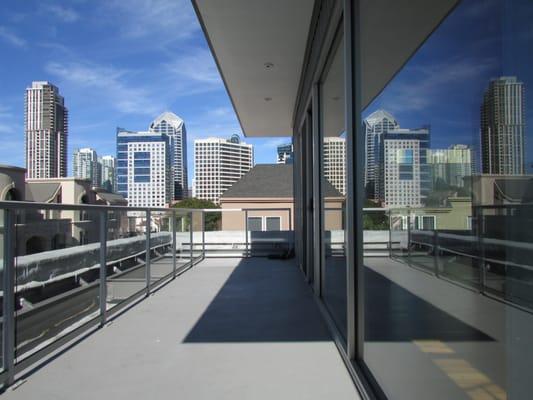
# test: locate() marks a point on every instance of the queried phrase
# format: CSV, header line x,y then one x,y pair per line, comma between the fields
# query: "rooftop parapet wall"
x,y
37,269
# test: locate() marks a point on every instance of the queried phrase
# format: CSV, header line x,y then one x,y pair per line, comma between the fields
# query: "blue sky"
x,y
443,83
122,62
117,63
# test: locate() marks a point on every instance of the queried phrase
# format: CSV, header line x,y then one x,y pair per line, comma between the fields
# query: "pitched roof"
x,y
111,198
171,119
378,116
269,180
41,192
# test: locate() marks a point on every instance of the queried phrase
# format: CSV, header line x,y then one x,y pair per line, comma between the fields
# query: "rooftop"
x,y
268,181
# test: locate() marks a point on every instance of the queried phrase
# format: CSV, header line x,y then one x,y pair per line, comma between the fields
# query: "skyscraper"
x,y
144,170
108,165
285,153
502,127
375,125
450,166
85,165
218,163
335,162
174,127
46,131
405,179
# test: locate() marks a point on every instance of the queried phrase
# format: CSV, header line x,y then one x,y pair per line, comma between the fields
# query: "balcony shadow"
x,y
392,313
263,300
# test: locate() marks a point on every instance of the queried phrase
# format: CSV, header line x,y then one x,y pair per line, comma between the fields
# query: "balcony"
x,y
151,296
201,303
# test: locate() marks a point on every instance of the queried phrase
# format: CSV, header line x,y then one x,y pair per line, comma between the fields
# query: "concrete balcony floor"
x,y
227,329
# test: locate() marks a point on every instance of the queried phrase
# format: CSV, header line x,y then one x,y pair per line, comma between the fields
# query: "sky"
x,y
442,85
122,63
117,63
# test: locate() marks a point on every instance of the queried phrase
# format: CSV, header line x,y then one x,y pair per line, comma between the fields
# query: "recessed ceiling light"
x,y
268,98
269,65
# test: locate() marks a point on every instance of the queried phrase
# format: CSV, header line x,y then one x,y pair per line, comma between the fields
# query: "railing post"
x,y
103,267
8,329
390,232
480,230
246,232
292,235
409,235
174,243
148,228
436,259
191,236
203,234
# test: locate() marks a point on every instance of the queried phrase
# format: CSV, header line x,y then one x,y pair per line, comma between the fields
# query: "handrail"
x,y
14,205
70,317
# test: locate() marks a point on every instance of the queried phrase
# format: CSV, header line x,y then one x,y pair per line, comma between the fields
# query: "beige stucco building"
x,y
266,192
42,230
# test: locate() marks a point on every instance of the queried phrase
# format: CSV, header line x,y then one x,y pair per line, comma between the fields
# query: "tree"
x,y
212,219
374,220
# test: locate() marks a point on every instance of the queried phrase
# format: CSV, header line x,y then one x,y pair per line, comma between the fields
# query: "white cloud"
x,y
63,13
193,73
426,83
110,85
197,66
12,38
168,20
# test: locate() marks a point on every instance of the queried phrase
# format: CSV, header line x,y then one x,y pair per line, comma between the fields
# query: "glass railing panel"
x,y
126,255
225,233
458,256
161,263
506,253
57,257
376,232
399,233
3,243
197,236
183,238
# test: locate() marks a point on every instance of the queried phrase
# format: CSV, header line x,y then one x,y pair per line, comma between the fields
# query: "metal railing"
x,y
69,268
493,255
377,239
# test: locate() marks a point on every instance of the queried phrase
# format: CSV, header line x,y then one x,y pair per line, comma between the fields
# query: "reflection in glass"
x,y
448,155
333,187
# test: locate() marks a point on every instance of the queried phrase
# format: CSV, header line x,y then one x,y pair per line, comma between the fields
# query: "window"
x,y
425,222
273,223
255,224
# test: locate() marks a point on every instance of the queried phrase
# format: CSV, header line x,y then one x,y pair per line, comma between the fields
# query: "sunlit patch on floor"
x,y
433,346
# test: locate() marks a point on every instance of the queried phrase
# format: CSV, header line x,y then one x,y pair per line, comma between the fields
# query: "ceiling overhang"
x,y
259,48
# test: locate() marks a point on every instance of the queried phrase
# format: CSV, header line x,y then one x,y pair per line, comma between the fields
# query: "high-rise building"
x,y
144,170
108,166
503,123
335,162
174,127
218,163
374,126
46,131
85,165
285,153
406,178
450,166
